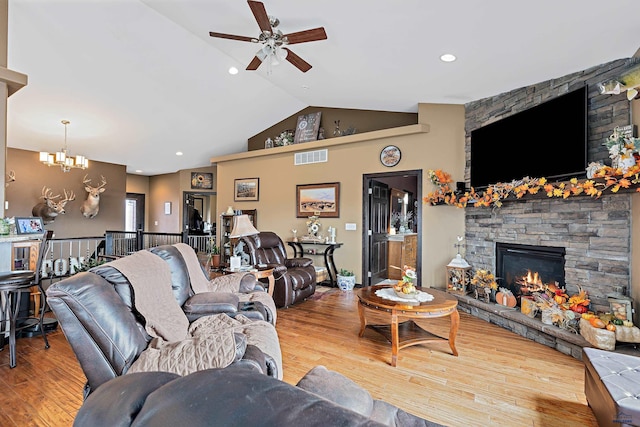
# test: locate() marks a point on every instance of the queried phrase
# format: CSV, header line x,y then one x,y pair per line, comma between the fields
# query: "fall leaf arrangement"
x,y
406,285
605,179
484,279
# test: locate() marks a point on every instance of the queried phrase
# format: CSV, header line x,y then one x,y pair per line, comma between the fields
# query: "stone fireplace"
x,y
594,233
524,269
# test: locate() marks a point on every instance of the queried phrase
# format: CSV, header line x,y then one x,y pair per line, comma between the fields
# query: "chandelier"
x,y
63,158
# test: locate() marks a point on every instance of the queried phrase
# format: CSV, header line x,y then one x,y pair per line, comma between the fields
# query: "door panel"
x,y
379,226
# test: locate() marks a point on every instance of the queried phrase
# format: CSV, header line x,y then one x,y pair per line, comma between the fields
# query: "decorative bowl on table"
x,y
410,295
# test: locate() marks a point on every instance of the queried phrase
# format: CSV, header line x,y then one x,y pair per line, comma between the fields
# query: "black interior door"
x,y
379,226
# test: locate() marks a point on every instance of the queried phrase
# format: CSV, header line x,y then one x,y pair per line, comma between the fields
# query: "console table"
x,y
329,248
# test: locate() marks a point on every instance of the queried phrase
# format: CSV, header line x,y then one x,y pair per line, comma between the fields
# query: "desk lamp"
x,y
241,227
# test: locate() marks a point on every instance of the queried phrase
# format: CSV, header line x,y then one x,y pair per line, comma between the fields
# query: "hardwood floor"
x,y
498,379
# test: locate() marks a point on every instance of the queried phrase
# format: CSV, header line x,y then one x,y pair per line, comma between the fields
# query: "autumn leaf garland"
x,y
605,179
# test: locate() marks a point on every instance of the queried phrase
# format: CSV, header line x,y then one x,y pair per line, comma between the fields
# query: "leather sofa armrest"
x,y
208,303
254,356
298,262
249,283
278,269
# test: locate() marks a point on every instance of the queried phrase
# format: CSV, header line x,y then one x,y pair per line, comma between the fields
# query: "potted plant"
x,y
346,280
214,253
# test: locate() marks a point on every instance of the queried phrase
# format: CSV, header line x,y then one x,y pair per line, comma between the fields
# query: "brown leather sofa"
x,y
97,312
236,396
295,278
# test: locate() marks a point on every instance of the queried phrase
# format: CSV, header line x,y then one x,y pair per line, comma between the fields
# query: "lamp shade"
x,y
242,227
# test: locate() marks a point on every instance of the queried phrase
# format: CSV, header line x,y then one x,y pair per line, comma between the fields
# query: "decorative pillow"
x,y
338,389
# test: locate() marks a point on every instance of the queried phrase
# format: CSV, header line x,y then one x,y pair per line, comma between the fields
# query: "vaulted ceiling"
x,y
142,79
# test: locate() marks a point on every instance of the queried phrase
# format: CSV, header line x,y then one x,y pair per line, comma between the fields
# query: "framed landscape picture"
x,y
318,199
246,189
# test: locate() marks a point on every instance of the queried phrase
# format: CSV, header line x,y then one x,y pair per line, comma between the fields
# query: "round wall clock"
x,y
390,155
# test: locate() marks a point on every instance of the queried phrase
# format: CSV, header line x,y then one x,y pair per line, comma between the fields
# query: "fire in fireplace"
x,y
524,269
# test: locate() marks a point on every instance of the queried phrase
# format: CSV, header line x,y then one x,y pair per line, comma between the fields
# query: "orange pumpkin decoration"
x,y
506,299
596,322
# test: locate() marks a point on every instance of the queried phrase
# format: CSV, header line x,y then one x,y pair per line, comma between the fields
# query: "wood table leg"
x,y
453,331
272,284
394,338
363,321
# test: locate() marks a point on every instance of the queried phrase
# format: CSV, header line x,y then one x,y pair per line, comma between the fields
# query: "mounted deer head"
x,y
51,207
91,205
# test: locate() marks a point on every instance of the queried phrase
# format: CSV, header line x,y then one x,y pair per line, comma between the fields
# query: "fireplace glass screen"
x,y
524,269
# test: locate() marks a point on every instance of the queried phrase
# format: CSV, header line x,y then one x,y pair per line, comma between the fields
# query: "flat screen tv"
x,y
548,140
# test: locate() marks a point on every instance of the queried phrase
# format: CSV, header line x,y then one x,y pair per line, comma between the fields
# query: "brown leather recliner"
x,y
295,278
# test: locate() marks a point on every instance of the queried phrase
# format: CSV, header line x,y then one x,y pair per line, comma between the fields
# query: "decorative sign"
x,y
307,128
629,131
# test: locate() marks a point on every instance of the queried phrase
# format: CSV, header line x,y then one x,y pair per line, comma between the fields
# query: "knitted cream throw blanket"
x,y
199,282
150,279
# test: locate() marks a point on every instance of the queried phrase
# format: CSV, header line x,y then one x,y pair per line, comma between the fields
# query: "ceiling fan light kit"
x,y
274,41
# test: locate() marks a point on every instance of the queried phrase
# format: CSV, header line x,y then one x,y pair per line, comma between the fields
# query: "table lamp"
x,y
241,227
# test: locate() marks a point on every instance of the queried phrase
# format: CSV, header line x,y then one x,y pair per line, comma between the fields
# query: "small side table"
x,y
258,273
266,273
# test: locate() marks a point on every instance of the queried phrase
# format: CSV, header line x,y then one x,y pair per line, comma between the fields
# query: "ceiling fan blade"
x,y
233,37
298,62
254,64
307,36
260,13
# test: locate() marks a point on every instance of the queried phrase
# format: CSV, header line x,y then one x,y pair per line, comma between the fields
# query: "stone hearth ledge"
x,y
513,320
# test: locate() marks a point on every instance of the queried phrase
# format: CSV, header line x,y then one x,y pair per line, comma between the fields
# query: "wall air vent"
x,y
307,157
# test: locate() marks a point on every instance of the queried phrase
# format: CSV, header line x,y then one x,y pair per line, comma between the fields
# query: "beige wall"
x,y
31,175
441,148
164,188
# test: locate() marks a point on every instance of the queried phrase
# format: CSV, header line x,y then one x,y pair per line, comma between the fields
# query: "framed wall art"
x,y
167,208
621,308
202,180
318,199
307,128
246,189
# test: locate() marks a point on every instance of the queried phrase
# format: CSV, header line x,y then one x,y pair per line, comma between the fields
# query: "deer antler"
x,y
11,176
68,197
104,182
87,181
47,194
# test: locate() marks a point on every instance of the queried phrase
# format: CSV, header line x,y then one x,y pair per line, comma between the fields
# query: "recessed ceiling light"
x,y
233,71
138,171
447,57
305,87
178,153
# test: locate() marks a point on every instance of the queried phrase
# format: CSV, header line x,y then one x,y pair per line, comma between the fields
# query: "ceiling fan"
x,y
274,41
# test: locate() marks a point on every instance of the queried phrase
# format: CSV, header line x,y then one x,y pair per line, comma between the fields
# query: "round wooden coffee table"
x,y
406,332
